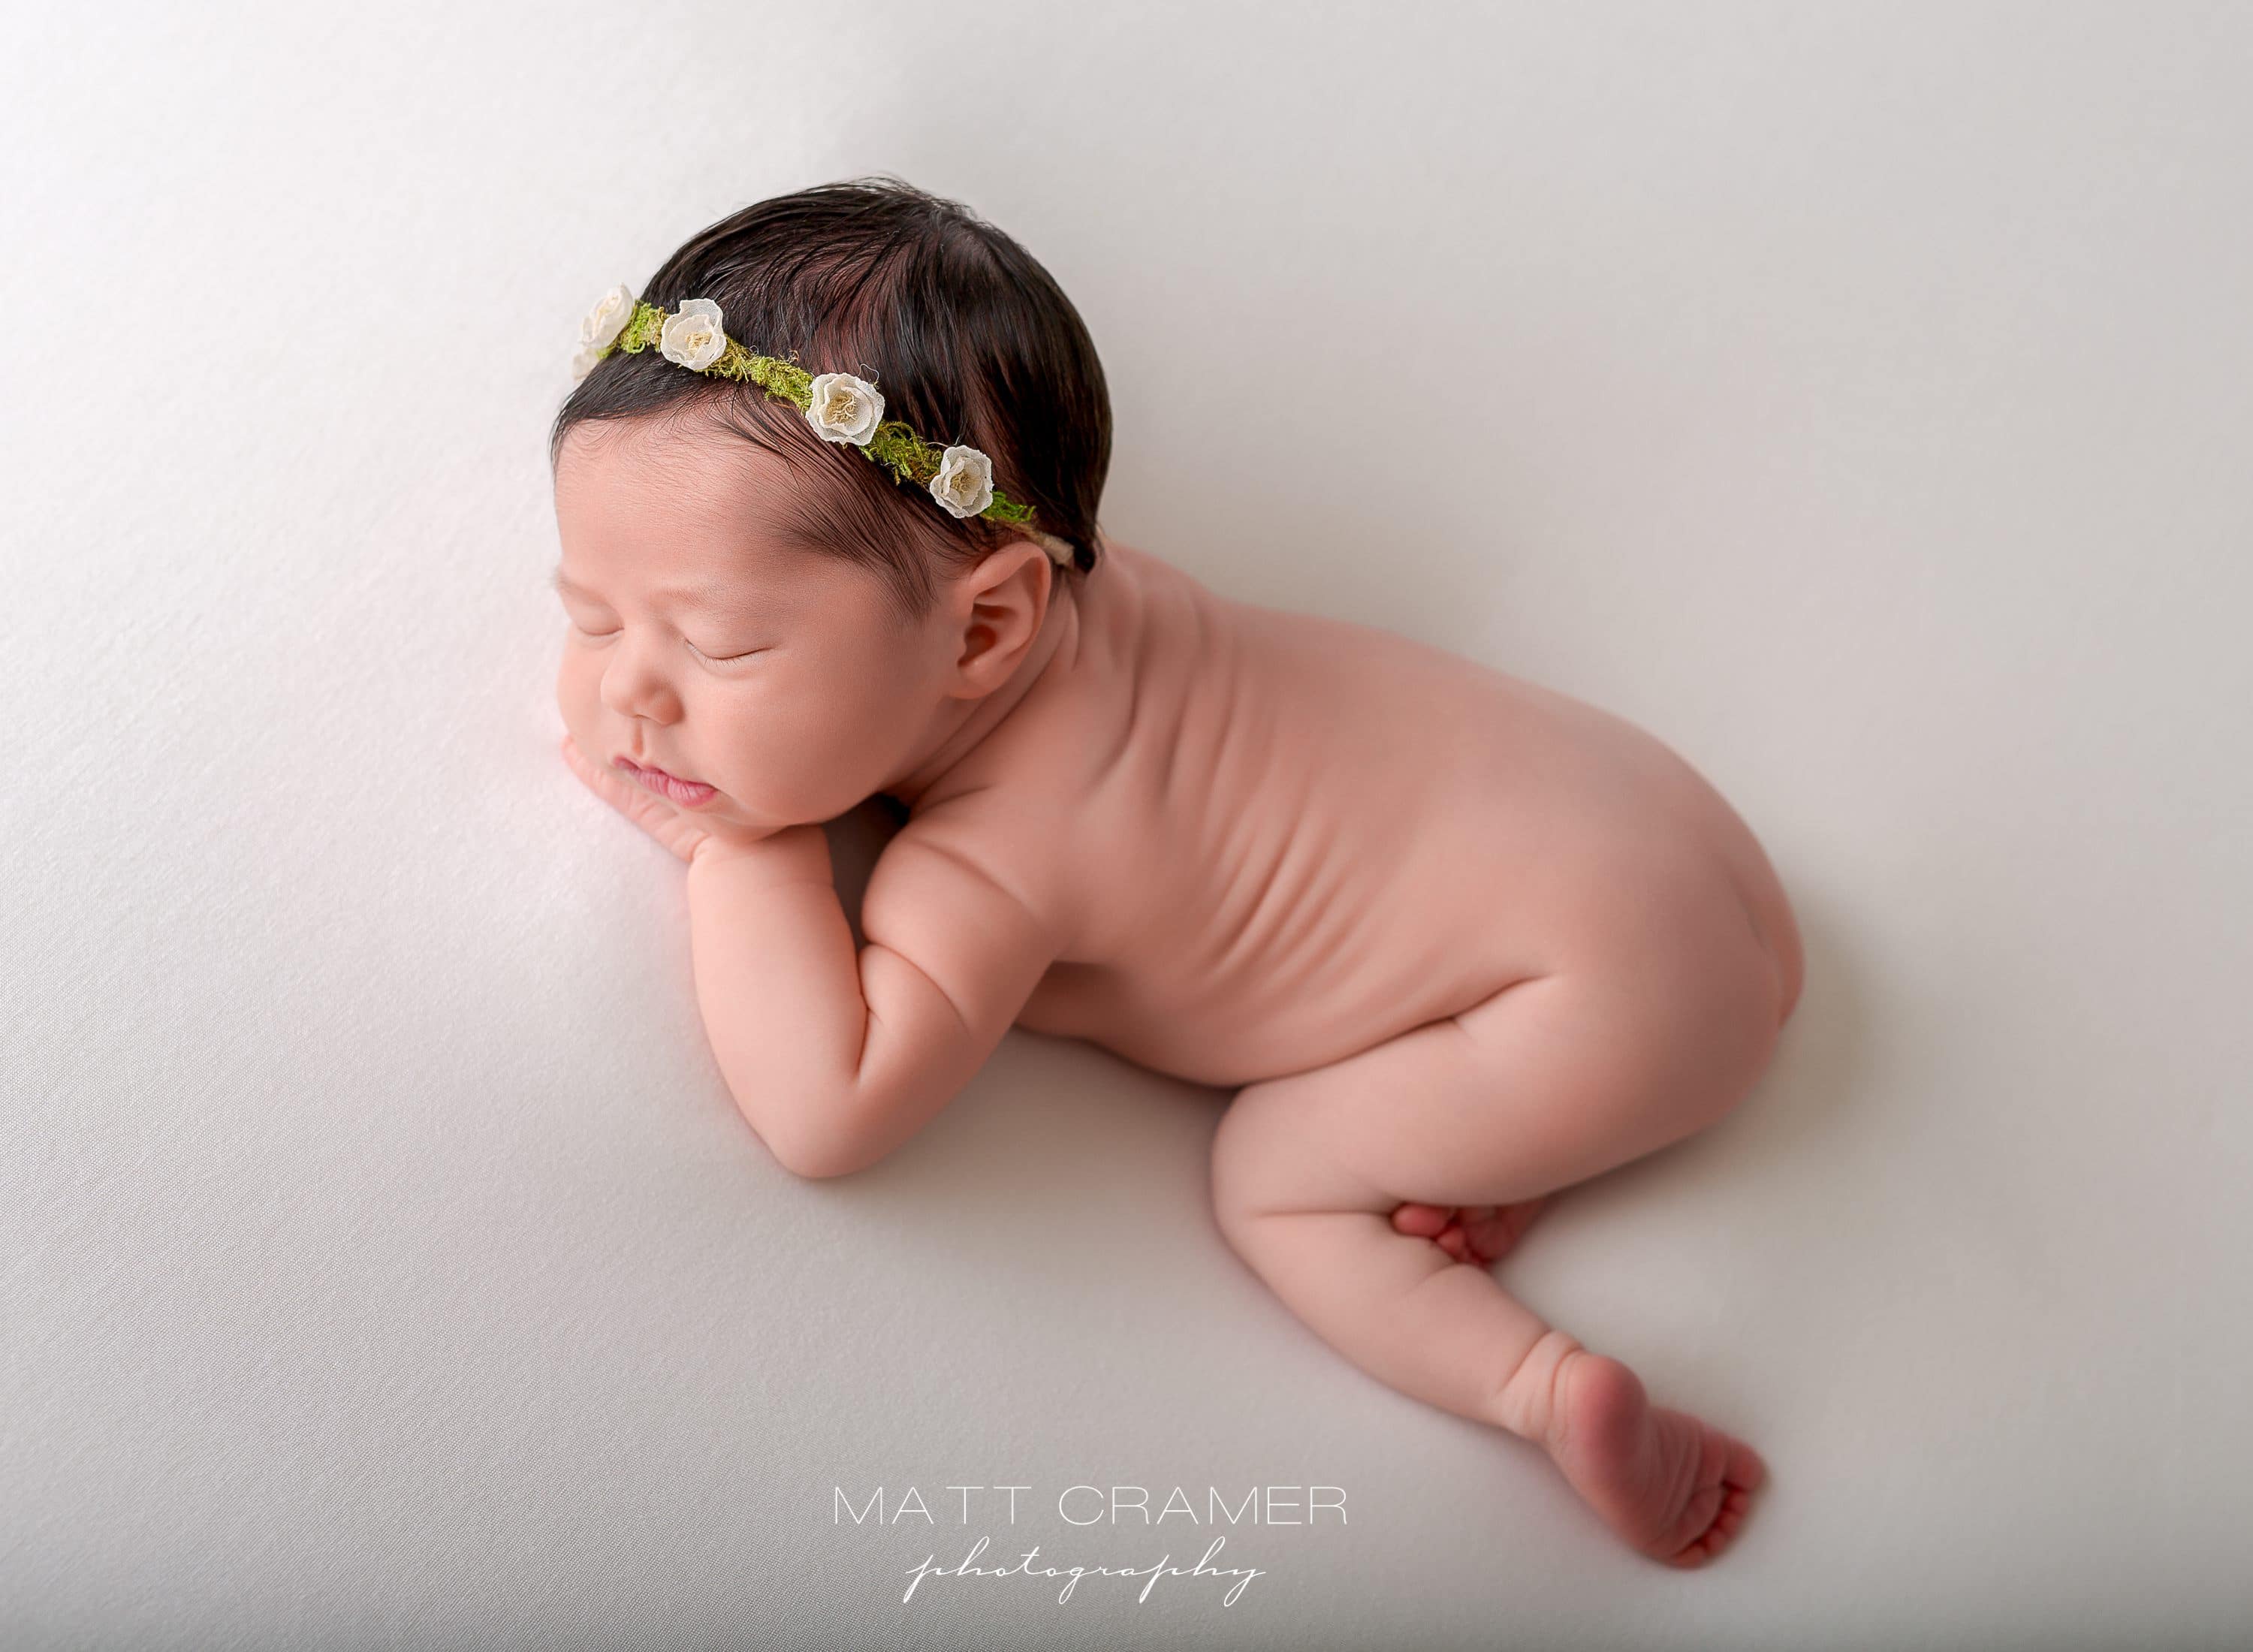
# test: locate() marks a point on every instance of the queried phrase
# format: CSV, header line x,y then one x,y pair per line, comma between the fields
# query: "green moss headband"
x,y
840,406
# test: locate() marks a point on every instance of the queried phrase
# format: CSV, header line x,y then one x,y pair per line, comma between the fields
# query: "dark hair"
x,y
966,336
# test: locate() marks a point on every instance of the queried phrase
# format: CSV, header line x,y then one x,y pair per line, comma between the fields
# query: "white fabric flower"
x,y
607,319
692,335
965,482
582,361
844,408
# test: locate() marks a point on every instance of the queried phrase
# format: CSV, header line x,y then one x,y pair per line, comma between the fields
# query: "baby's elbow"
x,y
836,1134
818,1164
816,1156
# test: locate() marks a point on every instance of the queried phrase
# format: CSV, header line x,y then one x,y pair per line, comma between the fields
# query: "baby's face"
x,y
700,645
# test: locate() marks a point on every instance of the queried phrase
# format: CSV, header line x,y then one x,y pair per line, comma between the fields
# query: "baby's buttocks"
x,y
1296,838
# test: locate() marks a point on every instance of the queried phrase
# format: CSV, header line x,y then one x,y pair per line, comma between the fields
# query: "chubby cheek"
x,y
812,755
578,696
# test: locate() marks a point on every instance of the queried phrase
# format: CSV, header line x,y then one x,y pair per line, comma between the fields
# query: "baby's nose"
x,y
633,688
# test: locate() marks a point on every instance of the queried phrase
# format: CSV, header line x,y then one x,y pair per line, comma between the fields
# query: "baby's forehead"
x,y
734,512
719,567
673,473
660,568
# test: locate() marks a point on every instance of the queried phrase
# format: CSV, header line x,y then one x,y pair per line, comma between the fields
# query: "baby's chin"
x,y
726,808
765,808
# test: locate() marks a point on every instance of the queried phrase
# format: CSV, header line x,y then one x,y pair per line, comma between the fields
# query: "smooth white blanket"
x,y
1857,397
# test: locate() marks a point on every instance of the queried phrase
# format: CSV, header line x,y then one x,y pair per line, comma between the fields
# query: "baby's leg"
x,y
1549,1082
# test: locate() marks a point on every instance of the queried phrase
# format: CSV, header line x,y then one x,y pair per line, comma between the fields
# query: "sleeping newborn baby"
x,y
826,494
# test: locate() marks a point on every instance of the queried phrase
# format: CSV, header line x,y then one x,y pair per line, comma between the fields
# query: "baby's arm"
x,y
837,1058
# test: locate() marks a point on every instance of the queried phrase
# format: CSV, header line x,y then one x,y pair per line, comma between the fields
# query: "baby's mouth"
x,y
689,794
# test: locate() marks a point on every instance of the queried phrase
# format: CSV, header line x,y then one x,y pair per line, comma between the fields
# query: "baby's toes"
x,y
1735,1506
1744,1470
1422,1221
1717,1536
1445,1225
1741,1474
1495,1229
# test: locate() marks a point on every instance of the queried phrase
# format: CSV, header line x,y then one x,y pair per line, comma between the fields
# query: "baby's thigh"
x,y
1548,1082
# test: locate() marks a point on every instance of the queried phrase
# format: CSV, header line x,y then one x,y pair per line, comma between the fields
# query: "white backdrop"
x,y
1858,397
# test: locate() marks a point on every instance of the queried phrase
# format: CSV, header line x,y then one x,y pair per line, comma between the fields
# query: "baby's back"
x,y
1270,839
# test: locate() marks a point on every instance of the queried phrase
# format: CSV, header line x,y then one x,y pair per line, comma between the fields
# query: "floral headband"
x,y
840,406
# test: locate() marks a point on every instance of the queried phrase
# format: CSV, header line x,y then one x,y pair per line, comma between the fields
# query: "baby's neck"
x,y
1058,642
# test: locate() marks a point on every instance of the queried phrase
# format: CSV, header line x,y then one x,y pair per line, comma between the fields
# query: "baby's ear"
x,y
1000,604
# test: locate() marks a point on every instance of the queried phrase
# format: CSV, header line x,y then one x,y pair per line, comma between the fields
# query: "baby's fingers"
x,y
603,783
646,809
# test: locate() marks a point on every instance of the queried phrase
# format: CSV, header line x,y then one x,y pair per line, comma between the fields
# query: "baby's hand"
x,y
681,832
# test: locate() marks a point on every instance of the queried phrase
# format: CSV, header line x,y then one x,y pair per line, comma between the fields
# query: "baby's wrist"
x,y
786,855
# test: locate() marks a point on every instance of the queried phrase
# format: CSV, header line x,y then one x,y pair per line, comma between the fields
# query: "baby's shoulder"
x,y
1014,837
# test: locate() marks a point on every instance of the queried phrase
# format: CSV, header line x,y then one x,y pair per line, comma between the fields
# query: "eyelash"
x,y
717,659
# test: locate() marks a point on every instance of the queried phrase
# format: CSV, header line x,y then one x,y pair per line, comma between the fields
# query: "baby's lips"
x,y
688,794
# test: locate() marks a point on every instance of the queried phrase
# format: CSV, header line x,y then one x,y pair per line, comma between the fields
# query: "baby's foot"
x,y
1672,1487
1480,1233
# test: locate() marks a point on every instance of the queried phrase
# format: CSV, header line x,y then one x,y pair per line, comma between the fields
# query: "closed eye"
x,y
720,659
